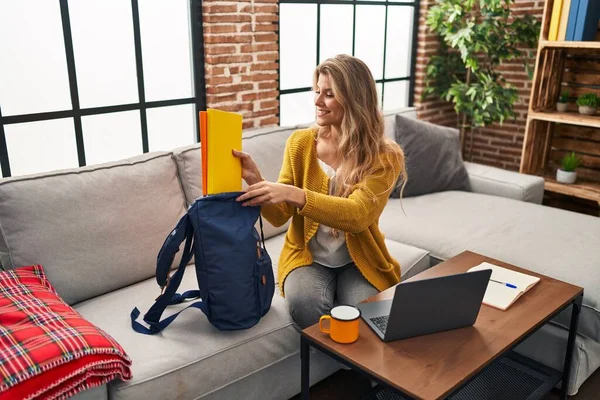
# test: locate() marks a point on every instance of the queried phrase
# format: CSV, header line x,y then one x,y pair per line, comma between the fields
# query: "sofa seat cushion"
x,y
550,241
412,259
190,358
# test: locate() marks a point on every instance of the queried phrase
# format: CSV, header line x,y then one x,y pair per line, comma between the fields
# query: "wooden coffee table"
x,y
445,364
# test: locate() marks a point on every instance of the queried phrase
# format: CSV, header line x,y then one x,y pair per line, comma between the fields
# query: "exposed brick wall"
x,y
495,145
502,145
242,59
435,111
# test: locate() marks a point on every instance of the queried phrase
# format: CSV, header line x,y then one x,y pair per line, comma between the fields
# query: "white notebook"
x,y
499,295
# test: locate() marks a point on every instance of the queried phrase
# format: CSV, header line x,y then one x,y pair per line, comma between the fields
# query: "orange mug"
x,y
343,324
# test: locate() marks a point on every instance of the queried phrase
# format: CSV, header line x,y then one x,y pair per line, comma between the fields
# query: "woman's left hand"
x,y
266,192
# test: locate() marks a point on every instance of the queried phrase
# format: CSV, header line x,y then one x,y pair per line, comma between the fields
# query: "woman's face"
x,y
329,110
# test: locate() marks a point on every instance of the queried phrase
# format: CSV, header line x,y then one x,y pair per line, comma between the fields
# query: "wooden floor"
x,y
350,385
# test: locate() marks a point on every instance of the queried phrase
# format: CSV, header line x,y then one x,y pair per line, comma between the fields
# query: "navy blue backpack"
x,y
233,269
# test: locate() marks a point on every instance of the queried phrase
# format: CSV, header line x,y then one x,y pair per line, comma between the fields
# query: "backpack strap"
x,y
183,231
169,249
262,234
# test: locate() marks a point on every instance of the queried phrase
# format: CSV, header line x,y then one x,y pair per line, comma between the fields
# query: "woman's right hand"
x,y
250,172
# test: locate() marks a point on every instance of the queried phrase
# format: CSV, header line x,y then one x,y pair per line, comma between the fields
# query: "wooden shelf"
x,y
569,45
550,134
572,118
582,189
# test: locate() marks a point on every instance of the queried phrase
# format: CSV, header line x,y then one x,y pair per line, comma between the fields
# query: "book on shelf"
x,y
555,19
574,20
498,294
564,20
220,133
586,26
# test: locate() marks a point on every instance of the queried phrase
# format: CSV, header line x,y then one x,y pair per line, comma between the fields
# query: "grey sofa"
x,y
97,231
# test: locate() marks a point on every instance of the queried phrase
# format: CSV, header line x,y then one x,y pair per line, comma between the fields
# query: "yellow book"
x,y
223,134
555,20
564,20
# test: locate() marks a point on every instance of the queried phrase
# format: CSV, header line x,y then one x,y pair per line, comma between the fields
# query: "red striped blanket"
x,y
47,349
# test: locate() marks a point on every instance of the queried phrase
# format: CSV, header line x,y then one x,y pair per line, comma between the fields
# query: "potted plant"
x,y
588,103
563,101
567,173
476,37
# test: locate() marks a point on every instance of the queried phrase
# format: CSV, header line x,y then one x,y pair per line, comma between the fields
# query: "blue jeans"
x,y
314,290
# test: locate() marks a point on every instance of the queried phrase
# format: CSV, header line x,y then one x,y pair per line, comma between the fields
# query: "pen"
x,y
510,285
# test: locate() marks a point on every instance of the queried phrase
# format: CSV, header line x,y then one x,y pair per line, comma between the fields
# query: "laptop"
x,y
428,306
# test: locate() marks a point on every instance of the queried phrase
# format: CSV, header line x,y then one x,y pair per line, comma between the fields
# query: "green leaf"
x,y
476,36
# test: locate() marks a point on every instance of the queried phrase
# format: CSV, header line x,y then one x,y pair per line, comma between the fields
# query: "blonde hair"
x,y
362,139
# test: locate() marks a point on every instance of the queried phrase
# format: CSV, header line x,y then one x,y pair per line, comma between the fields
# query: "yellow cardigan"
x,y
357,215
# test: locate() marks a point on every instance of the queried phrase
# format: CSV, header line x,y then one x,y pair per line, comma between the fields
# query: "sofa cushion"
x,y
586,357
558,243
500,182
274,246
189,168
94,229
265,145
279,380
389,117
433,158
413,260
96,393
190,358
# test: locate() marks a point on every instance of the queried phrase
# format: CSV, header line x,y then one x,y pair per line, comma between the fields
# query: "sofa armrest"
x,y
499,182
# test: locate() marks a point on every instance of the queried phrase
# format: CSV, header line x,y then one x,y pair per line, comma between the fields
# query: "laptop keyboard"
x,y
381,322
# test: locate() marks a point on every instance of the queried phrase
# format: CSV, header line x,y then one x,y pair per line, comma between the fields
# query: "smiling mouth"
x,y
320,113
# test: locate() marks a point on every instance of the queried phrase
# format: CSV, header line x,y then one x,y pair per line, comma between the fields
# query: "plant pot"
x,y
566,176
587,110
561,107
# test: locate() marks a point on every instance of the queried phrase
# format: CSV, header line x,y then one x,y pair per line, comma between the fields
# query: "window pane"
x,y
336,30
41,146
370,25
396,95
379,93
298,38
170,127
166,47
110,137
33,67
104,52
399,42
297,108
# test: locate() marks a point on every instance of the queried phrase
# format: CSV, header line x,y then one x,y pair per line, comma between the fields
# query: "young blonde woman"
x,y
334,183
